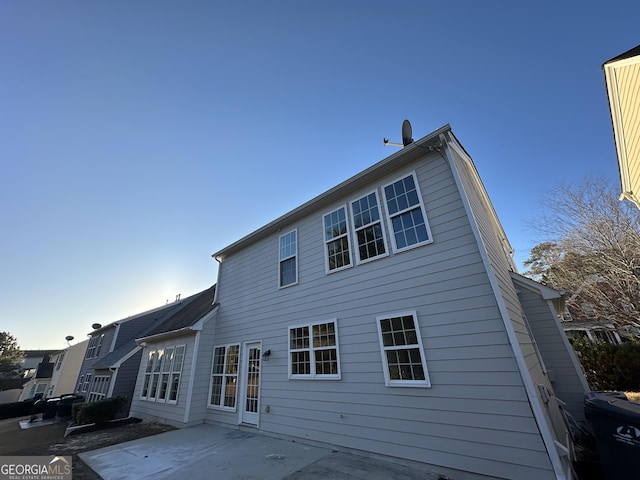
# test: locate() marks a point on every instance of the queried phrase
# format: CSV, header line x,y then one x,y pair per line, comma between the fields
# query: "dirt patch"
x,y
50,440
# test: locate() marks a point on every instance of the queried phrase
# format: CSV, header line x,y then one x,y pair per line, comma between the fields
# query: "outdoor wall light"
x,y
266,355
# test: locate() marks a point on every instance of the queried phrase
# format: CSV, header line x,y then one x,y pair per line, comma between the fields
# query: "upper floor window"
x,y
313,351
336,239
93,348
369,234
402,352
288,272
406,213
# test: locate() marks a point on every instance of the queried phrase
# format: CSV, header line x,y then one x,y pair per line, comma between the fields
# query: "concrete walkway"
x,y
215,452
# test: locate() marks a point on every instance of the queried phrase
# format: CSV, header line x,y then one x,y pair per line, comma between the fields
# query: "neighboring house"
x,y
112,357
10,389
31,360
622,79
176,362
37,385
67,365
385,316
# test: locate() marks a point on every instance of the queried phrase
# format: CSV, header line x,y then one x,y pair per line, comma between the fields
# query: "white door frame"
x,y
250,407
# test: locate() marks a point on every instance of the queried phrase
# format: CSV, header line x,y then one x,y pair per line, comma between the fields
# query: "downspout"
x,y
534,403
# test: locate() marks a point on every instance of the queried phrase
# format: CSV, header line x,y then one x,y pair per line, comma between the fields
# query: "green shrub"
x,y
98,412
610,367
17,409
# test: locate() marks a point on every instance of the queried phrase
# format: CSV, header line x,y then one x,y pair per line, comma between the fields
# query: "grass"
x,y
633,396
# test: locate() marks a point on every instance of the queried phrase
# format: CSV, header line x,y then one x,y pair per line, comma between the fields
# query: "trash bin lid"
x,y
613,406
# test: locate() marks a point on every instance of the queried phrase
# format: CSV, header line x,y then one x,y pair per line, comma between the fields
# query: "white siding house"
x,y
383,316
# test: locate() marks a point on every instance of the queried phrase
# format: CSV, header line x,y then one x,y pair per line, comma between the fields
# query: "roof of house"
x,y
622,74
191,309
201,304
628,54
402,157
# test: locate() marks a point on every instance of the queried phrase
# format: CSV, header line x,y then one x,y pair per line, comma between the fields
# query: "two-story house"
x,y
386,316
112,357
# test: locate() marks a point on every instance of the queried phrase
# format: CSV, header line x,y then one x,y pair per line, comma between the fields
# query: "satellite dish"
x,y
68,338
406,133
96,326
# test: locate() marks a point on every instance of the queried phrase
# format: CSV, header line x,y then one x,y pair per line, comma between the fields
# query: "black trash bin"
x,y
616,425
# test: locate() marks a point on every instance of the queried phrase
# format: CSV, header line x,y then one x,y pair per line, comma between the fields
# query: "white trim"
x,y
346,235
311,349
426,383
420,205
356,245
243,378
196,348
213,358
534,401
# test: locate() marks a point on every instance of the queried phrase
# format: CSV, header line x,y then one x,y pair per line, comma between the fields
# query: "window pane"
x,y
288,272
300,363
216,389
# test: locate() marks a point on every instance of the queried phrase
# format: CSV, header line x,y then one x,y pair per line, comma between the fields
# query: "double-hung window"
x,y
314,351
369,233
224,377
402,351
99,388
93,348
406,213
336,239
288,270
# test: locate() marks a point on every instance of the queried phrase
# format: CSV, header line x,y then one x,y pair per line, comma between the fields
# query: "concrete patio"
x,y
211,451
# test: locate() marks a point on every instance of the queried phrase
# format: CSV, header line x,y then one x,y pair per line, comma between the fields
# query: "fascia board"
x,y
404,156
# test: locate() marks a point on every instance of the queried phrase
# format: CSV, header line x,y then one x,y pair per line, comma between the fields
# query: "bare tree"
x,y
592,251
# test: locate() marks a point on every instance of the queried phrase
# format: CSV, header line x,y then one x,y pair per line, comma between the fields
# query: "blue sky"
x,y
137,138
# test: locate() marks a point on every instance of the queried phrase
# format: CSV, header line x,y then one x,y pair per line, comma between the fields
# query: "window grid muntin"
x,y
162,375
314,351
288,263
369,235
223,393
336,238
402,352
406,214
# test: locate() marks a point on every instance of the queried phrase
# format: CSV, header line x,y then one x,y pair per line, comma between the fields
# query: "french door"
x,y
250,410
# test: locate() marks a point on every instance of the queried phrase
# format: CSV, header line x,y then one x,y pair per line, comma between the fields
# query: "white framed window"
x,y
336,239
80,383
93,348
223,390
60,360
402,351
288,253
314,351
369,236
99,388
162,374
406,214
87,382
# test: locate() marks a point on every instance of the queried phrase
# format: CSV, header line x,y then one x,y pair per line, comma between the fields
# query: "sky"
x,y
138,138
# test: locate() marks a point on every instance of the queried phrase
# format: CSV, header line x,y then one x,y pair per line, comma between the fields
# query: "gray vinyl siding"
x,y
476,415
88,363
169,413
125,378
556,352
501,264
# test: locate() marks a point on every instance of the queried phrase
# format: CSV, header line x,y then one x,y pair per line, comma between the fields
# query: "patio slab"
x,y
212,451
